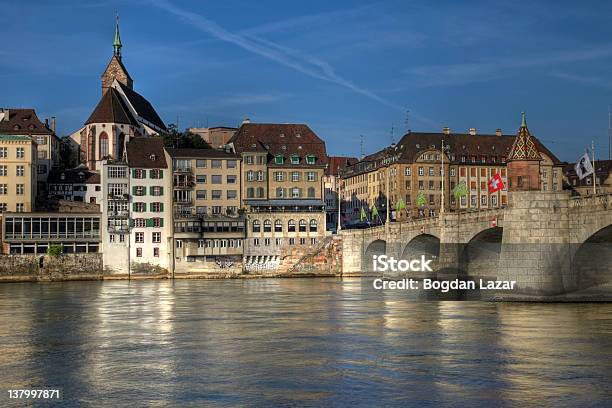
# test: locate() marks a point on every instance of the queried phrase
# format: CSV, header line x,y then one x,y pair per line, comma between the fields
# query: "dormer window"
x,y
298,135
282,135
152,157
311,159
295,159
279,159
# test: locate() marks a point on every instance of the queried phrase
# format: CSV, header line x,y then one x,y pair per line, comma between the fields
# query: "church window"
x,y
103,145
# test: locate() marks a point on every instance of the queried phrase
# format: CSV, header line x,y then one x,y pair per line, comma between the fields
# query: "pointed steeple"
x,y
524,147
117,41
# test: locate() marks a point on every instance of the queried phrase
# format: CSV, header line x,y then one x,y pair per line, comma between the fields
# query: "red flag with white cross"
x,y
496,183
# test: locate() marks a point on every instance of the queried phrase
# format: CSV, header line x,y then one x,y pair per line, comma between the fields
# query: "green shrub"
x,y
55,250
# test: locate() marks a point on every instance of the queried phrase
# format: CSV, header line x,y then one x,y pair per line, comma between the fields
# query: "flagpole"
x,y
339,227
594,171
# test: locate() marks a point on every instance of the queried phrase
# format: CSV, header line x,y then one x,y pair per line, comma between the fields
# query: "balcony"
x,y
184,184
118,197
118,214
182,170
118,229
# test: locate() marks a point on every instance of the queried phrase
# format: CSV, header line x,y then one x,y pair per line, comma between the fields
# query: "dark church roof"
x,y
146,153
143,107
111,109
23,122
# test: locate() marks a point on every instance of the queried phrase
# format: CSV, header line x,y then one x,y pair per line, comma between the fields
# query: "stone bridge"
x,y
551,244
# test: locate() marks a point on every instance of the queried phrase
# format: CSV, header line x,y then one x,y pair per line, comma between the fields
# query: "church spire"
x,y
117,41
523,120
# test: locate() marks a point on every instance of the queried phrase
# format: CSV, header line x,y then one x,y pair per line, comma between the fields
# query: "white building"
x,y
137,215
77,184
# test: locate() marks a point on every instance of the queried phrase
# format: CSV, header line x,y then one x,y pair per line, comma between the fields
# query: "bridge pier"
x,y
536,245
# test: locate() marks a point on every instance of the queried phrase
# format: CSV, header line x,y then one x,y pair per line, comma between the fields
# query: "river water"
x,y
297,342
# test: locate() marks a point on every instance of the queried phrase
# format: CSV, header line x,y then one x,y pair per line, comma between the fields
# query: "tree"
x,y
55,250
174,138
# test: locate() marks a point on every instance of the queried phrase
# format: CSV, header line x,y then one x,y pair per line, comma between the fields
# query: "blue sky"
x,y
346,68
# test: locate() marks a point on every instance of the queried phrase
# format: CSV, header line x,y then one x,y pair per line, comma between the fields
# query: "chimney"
x,y
498,132
246,120
472,131
53,123
446,130
47,122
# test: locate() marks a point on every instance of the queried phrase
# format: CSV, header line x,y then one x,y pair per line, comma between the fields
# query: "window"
x,y
278,226
279,192
179,243
453,171
20,189
201,163
260,175
138,173
494,200
421,171
111,238
231,164
302,241
156,237
302,226
216,194
310,159
232,194
156,252
156,207
312,176
20,171
249,159
216,209
3,152
19,207
313,225
311,192
216,179
256,242
20,152
139,237
295,176
250,192
256,226
278,241
117,172
201,179
295,192
139,252
279,159
279,176
157,191
3,171
250,175
103,145
291,241
291,226
156,173
483,200
42,169
201,194
267,226
138,190
231,179
408,171
431,171
267,241
215,164
140,222
295,159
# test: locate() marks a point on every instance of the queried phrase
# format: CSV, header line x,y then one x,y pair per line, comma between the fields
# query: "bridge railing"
x,y
600,201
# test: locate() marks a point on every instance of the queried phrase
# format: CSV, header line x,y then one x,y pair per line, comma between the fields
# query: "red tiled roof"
x,y
338,163
111,109
284,139
146,153
23,122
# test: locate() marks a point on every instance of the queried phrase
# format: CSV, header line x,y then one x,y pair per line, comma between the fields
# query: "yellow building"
x,y
18,165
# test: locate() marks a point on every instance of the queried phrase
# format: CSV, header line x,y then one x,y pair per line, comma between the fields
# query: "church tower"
x,y
115,68
524,162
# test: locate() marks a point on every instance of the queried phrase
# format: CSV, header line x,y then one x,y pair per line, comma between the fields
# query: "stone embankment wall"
x,y
64,267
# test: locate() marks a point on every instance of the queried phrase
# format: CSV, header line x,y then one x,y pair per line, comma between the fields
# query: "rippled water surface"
x,y
297,342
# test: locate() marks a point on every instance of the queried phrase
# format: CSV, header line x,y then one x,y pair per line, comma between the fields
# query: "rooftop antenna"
x,y
178,132
361,147
407,120
392,135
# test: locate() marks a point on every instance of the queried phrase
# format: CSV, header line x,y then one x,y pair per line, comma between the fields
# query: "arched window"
x,y
256,226
250,176
267,226
103,145
260,176
302,225
313,225
278,226
120,145
279,192
311,192
291,226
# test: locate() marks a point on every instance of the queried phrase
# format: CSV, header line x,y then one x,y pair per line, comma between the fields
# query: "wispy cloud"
x,y
221,103
461,74
290,58
583,79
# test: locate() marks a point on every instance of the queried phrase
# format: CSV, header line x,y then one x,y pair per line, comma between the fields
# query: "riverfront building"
x,y
18,164
282,190
137,214
209,229
332,185
79,184
412,169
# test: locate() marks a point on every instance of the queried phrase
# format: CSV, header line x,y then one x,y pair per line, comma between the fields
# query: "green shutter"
x,y
134,190
161,174
161,191
161,222
149,222
161,207
152,174
131,222
133,173
133,206
151,190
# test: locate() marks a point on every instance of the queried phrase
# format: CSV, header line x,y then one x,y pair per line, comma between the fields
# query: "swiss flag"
x,y
496,183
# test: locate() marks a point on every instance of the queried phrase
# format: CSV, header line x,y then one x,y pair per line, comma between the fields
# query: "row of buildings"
x,y
262,197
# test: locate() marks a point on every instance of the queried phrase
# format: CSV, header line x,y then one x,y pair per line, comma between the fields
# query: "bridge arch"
x,y
480,255
374,248
423,244
591,264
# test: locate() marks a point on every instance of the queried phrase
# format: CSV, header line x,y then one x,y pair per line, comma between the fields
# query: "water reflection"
x,y
317,342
